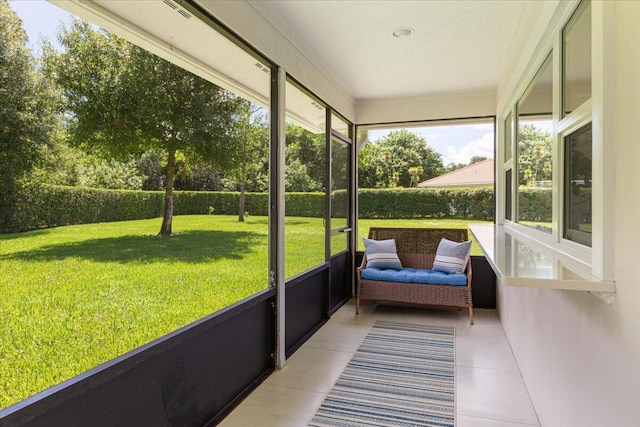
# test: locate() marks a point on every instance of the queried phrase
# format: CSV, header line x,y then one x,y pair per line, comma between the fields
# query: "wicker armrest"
x,y
363,265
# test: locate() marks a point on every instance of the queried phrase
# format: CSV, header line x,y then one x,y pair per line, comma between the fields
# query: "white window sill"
x,y
521,261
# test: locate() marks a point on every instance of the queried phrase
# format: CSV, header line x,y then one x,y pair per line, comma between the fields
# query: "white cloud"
x,y
484,126
478,147
434,135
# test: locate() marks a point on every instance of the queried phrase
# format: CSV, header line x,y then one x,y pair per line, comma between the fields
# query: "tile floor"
x,y
490,390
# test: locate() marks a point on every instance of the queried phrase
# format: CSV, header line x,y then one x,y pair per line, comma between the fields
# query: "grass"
x,y
364,224
74,297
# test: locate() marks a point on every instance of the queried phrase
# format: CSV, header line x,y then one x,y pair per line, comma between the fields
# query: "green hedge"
x,y
218,202
534,204
40,206
304,204
472,203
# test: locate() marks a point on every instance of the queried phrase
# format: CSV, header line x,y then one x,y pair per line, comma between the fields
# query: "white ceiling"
x,y
458,45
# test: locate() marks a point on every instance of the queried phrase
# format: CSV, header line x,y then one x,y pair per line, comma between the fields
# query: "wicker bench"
x,y
416,249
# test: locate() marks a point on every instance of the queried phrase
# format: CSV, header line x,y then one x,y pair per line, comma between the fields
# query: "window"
x,y
549,147
305,182
576,64
94,290
434,173
576,127
577,186
534,151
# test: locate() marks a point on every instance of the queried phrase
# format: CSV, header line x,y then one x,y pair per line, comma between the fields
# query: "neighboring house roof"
x,y
476,174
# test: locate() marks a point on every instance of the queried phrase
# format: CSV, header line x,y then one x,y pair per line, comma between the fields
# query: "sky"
x,y
455,143
39,18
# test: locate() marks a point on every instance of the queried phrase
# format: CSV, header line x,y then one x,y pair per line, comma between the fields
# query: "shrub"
x,y
474,203
40,206
304,204
534,204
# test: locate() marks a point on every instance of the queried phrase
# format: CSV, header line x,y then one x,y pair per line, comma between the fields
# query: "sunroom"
x,y
560,349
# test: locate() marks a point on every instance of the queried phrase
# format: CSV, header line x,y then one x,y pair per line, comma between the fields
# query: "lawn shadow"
x,y
190,246
26,234
295,222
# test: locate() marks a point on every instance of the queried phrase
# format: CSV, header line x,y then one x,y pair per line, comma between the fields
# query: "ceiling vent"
x,y
178,9
262,67
318,106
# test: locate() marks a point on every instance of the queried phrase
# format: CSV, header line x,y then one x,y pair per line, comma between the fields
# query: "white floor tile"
x,y
490,390
339,336
311,369
493,394
273,406
483,351
464,421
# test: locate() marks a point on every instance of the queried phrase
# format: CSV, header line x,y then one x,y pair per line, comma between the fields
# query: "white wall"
x,y
580,358
441,106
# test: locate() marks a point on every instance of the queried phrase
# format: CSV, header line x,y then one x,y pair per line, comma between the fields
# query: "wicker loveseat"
x,y
416,249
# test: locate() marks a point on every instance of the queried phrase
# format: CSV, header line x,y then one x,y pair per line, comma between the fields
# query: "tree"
x,y
386,163
305,159
415,172
122,100
477,159
25,105
248,139
455,166
534,155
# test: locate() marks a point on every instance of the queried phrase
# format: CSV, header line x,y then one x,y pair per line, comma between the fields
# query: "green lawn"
x,y
74,297
364,224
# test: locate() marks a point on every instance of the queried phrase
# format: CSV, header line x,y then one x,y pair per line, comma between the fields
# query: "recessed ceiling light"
x,y
402,32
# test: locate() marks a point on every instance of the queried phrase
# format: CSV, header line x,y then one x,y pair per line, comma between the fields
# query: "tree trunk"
x,y
167,215
243,188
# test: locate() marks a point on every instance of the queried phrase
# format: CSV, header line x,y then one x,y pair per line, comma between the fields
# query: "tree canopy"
x,y
394,161
122,100
534,155
248,138
305,157
25,104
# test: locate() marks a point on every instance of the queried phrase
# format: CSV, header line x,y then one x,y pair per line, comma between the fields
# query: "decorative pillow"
x,y
452,257
382,254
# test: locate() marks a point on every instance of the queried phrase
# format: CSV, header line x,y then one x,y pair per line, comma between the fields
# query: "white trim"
x,y
578,118
603,58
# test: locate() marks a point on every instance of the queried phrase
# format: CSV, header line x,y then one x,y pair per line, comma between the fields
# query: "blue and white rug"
x,y
401,375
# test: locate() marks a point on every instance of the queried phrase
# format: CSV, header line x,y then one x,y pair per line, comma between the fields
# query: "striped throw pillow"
x,y
452,257
382,254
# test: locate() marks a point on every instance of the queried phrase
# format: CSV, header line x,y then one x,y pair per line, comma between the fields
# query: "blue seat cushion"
x,y
404,275
441,278
411,275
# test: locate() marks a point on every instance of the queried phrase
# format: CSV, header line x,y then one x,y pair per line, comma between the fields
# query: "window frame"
x,y
548,59
598,111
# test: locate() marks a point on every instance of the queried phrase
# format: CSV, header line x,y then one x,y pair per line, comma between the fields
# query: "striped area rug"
x,y
401,375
